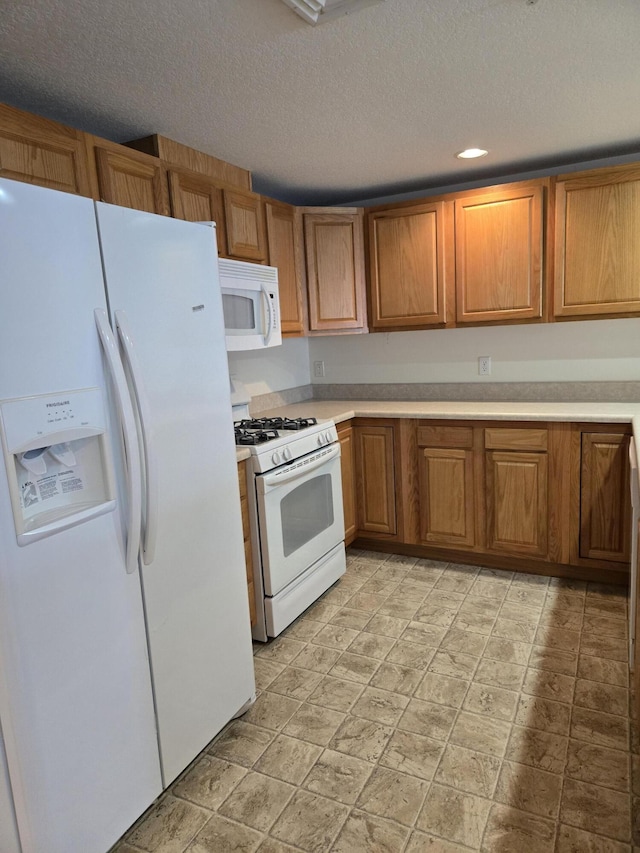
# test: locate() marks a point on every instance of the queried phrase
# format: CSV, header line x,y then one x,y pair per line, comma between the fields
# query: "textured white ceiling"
x,y
374,102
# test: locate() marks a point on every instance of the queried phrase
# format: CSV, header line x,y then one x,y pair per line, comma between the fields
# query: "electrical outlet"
x,y
318,369
484,365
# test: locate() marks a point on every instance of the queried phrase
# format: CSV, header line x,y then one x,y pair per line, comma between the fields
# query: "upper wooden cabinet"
x,y
197,198
408,265
129,178
285,253
244,217
43,152
499,252
334,249
597,262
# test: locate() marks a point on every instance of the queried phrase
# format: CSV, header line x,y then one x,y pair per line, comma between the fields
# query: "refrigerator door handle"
x,y
270,311
150,531
130,435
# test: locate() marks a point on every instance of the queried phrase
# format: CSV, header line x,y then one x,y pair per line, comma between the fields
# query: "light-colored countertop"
x,y
242,453
343,410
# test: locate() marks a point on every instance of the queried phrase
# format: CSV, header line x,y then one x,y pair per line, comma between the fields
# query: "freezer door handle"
x,y
130,435
150,531
270,317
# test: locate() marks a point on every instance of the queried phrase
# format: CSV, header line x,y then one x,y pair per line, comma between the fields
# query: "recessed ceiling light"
x,y
470,153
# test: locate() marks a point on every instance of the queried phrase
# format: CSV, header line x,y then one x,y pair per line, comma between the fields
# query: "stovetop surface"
x,y
254,431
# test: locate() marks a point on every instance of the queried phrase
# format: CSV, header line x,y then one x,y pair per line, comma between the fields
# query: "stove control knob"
x,y
276,458
320,441
328,437
286,454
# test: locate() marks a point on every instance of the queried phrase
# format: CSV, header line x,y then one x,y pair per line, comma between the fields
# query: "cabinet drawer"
x,y
445,436
515,439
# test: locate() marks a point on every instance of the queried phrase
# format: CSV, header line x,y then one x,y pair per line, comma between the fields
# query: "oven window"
x,y
239,313
306,511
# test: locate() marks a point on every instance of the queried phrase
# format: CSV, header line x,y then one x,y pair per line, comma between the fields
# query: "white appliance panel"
x,y
300,516
76,704
162,273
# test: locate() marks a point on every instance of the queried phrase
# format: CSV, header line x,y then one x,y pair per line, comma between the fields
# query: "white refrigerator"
x,y
125,643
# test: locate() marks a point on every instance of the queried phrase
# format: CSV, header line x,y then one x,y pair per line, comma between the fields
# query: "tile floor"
x,y
422,706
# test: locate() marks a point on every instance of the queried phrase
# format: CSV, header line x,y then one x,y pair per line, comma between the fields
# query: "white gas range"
x,y
295,499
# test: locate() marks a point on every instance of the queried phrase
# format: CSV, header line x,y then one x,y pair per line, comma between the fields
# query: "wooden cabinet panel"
x,y
597,268
131,179
407,266
445,436
246,530
347,467
334,250
42,152
246,237
196,198
447,507
604,497
499,438
499,255
283,239
517,502
375,478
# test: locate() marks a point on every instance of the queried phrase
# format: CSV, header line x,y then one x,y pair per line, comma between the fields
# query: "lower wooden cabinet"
x,y
605,512
447,501
551,498
347,467
375,480
246,530
517,502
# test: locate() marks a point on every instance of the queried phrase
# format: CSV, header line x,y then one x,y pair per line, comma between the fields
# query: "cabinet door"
x,y
334,249
131,179
517,502
347,467
196,198
447,511
246,530
246,238
605,522
375,477
407,266
39,151
283,239
499,255
597,266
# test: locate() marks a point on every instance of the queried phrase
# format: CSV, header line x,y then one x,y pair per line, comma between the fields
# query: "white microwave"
x,y
250,304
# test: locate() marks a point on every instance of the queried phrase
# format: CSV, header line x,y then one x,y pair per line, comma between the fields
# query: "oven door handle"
x,y
275,480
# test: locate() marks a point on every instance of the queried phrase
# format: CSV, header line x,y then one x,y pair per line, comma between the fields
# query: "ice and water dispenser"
x,y
58,461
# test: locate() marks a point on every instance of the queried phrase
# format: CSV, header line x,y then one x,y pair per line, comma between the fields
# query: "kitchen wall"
x,y
274,369
587,351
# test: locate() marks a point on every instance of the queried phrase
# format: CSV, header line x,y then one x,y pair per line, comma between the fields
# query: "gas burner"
x,y
276,423
255,436
296,423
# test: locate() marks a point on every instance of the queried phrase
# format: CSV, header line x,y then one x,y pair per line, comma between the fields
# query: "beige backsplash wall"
x,y
584,351
274,369
545,362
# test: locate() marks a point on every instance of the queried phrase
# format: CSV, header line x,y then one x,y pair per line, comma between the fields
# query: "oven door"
x,y
299,515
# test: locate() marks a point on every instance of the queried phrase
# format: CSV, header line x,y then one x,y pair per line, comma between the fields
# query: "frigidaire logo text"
x,y
61,403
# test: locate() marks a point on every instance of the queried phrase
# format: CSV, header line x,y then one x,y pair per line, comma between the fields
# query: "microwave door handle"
x,y
127,421
270,318
150,531
275,480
